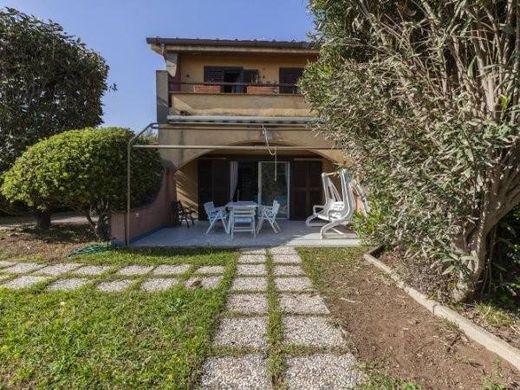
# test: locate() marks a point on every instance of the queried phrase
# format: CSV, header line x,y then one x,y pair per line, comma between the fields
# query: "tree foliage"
x,y
84,170
49,82
424,97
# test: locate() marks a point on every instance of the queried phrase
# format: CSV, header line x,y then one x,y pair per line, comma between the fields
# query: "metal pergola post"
x,y
152,125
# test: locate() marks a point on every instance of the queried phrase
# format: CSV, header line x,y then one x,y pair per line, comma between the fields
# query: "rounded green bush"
x,y
83,169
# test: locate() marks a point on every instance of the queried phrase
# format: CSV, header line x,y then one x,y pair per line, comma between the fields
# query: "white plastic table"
x,y
240,204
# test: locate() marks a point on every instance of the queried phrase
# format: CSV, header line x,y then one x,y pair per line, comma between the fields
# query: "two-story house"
x,y
234,126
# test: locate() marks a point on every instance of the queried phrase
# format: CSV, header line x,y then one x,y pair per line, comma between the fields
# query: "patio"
x,y
294,233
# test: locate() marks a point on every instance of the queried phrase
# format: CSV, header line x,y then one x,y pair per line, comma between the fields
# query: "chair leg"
x,y
225,225
259,226
211,223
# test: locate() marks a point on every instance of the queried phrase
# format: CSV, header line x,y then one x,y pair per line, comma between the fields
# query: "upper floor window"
x,y
288,79
232,79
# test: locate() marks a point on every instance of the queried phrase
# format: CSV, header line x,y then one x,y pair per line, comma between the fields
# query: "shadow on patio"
x,y
294,233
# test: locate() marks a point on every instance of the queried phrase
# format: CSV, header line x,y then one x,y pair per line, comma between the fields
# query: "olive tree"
x,y
86,171
424,96
49,82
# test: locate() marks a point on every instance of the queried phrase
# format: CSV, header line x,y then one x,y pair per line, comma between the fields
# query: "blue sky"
x,y
117,29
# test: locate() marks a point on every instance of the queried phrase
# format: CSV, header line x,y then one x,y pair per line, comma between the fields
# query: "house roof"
x,y
197,44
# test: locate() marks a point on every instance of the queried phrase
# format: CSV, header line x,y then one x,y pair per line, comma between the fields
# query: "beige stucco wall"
x,y
187,179
239,104
192,65
177,158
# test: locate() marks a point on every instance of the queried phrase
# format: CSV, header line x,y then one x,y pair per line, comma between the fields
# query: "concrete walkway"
x,y
244,347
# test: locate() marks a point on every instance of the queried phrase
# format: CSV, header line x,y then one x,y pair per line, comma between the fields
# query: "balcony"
x,y
237,99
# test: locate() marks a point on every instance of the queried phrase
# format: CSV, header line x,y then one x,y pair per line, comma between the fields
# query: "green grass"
x,y
379,380
154,256
87,338
495,315
275,330
316,259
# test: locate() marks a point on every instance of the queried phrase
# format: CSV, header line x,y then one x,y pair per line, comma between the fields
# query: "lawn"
x,y
87,338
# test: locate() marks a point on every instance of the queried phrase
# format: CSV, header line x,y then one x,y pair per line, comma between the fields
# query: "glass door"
x,y
273,184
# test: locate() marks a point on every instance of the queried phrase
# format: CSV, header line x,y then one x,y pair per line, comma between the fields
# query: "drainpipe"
x,y
153,125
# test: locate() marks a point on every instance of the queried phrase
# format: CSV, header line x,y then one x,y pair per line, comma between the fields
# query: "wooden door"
x,y
306,188
213,183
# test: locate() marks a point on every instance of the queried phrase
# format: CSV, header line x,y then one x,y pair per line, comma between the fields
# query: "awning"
x,y
243,120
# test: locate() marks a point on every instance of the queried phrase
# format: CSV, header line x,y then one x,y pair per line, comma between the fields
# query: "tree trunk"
x,y
467,284
102,227
43,219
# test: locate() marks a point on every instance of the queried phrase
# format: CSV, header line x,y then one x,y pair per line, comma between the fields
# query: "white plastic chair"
x,y
242,219
269,213
215,214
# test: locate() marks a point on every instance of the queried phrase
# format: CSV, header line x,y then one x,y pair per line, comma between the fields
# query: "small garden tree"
x,y
86,171
424,96
49,82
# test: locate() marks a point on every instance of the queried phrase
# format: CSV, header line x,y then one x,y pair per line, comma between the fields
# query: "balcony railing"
x,y
234,88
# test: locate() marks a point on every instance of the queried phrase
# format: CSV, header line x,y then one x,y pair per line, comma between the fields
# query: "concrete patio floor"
x,y
294,233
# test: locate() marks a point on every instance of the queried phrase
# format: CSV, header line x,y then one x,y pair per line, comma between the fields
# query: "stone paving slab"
x,y
5,263
203,282
92,270
287,259
158,284
24,282
135,270
251,269
58,269
22,268
166,269
242,332
247,303
283,250
311,332
249,284
4,277
288,270
211,269
296,284
114,286
321,371
253,251
302,304
236,372
68,284
252,258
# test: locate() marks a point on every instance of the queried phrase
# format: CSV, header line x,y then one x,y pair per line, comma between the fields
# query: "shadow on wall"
x,y
146,218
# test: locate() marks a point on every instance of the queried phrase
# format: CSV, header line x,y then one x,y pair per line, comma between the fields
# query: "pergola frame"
x,y
232,123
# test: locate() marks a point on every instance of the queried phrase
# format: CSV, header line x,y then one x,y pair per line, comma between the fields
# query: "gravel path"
x,y
324,361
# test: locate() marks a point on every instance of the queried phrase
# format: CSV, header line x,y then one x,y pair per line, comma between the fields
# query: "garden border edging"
x,y
470,329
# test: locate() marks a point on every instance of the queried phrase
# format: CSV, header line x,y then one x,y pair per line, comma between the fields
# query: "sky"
x,y
117,30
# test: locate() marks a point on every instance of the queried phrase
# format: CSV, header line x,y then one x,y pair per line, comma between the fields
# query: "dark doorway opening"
x,y
247,184
232,76
213,182
306,188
